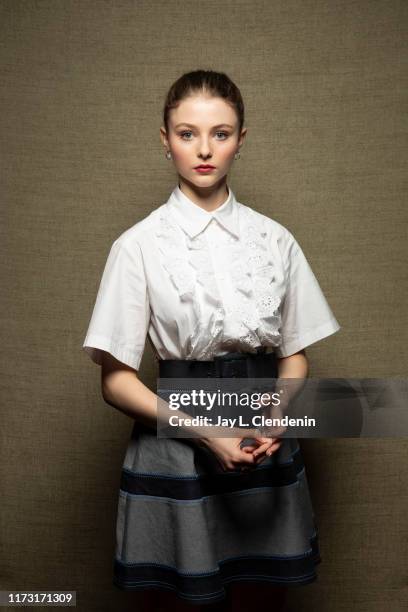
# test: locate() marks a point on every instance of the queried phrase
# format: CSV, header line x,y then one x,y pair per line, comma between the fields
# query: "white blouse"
x,y
201,284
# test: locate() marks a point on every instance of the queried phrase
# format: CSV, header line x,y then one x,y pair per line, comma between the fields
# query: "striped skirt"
x,y
185,525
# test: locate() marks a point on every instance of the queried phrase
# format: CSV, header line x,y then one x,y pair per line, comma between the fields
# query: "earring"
x,y
237,155
168,154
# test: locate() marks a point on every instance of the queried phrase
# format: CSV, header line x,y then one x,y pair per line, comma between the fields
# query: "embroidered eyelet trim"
x,y
258,309
187,263
254,318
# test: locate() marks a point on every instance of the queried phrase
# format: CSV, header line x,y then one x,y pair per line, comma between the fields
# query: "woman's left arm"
x,y
293,367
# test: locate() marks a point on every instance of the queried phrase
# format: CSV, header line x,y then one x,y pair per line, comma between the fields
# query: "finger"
x,y
269,439
273,445
246,458
261,449
257,459
258,441
273,448
263,439
272,451
261,458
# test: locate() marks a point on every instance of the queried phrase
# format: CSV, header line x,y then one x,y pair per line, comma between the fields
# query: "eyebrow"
x,y
215,126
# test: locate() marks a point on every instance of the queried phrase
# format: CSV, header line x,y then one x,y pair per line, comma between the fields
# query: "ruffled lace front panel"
x,y
249,320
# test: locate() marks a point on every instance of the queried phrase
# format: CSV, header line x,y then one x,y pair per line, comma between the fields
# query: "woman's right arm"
x,y
122,389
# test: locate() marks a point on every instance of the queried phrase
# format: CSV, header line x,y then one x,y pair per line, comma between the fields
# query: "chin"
x,y
201,181
207,179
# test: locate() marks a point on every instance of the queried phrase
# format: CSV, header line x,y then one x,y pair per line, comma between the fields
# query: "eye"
x,y
186,135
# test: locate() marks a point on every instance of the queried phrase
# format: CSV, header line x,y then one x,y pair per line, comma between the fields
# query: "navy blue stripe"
x,y
295,570
274,475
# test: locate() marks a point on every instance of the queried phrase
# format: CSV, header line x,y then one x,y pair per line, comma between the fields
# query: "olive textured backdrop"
x,y
83,85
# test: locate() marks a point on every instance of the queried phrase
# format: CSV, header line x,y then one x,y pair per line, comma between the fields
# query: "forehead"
x,y
203,111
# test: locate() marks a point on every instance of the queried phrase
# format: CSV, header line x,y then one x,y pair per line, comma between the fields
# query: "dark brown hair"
x,y
204,81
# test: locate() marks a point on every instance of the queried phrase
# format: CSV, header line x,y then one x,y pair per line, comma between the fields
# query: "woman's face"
x,y
203,130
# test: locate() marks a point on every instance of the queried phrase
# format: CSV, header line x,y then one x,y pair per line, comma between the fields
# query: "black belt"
x,y
230,365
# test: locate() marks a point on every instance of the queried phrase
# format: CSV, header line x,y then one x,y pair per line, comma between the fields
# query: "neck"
x,y
208,198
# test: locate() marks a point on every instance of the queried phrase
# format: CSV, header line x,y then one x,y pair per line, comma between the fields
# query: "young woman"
x,y
220,290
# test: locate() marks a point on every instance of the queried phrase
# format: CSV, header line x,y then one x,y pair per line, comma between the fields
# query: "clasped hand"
x,y
264,442
233,456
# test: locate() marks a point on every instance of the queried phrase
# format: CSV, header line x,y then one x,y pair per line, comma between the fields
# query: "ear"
x,y
242,137
163,137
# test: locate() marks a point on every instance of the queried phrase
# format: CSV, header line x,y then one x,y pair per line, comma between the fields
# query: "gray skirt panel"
x,y
186,525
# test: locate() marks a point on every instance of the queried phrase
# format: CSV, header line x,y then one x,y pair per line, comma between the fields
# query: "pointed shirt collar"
x,y
194,219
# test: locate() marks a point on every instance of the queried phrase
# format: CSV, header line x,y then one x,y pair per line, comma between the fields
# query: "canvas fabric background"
x,y
83,85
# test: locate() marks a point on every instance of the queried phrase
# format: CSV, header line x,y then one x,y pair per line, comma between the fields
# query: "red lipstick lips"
x,y
204,168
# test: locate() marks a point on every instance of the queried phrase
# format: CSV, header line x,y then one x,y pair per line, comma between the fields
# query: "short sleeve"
x,y
305,313
121,314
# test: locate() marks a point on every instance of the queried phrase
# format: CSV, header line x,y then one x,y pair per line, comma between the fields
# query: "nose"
x,y
204,149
